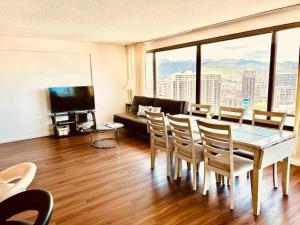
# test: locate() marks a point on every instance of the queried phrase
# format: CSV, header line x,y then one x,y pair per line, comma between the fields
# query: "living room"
x,y
106,109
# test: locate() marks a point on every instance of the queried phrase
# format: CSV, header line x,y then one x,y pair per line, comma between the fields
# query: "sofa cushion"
x,y
132,117
141,100
171,106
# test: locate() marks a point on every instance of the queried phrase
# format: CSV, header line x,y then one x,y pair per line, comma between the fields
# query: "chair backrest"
x,y
200,109
37,200
275,119
17,178
236,114
157,128
182,132
217,143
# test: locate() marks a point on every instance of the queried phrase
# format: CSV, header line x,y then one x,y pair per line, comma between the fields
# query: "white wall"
x,y
29,66
279,17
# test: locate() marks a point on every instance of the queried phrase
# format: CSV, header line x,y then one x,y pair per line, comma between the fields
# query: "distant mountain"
x,y
232,66
168,67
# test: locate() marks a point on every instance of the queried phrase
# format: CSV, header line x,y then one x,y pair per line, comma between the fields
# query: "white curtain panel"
x,y
297,115
136,55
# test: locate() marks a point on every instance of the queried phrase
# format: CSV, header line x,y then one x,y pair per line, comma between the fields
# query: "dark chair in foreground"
x,y
37,200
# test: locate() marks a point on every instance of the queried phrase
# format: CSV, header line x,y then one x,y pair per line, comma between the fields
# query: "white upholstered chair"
x,y
218,155
185,146
16,179
159,138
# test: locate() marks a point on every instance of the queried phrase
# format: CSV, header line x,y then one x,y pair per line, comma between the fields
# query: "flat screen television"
x,y
69,99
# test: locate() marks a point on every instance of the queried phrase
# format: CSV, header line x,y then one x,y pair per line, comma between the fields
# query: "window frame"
x,y
272,68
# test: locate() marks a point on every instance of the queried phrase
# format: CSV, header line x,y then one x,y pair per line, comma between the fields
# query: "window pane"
x,y
176,74
286,72
235,73
149,75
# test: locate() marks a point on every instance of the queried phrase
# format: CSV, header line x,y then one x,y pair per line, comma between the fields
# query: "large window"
x,y
149,75
235,73
176,74
285,91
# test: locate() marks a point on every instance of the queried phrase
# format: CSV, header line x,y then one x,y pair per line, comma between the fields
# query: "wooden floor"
x,y
116,186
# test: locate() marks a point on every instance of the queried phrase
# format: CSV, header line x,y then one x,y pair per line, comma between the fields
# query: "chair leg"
x,y
188,164
206,181
275,179
197,166
194,181
153,152
228,181
176,167
217,177
171,155
221,178
231,193
179,167
168,162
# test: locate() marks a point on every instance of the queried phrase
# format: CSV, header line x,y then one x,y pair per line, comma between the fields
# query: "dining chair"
x,y
219,157
266,118
159,138
234,114
200,110
185,146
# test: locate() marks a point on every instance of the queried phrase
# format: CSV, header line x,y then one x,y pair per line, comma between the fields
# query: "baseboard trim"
x,y
21,138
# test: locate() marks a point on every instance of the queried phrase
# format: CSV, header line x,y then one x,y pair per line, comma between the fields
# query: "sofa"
x,y
138,124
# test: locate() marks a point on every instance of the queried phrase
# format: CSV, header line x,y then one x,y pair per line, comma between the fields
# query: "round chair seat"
x,y
16,179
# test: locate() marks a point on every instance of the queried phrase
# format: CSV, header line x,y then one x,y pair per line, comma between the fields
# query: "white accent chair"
x,y
16,179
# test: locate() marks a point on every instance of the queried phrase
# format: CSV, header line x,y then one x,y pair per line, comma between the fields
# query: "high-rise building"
x,y
233,102
285,92
180,86
248,87
210,90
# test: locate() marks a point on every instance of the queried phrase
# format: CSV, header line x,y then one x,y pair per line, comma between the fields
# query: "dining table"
x,y
268,146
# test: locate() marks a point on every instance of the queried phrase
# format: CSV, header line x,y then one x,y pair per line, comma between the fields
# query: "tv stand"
x,y
72,123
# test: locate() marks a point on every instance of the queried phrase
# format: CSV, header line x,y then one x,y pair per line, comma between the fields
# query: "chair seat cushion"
x,y
239,163
163,144
188,153
245,154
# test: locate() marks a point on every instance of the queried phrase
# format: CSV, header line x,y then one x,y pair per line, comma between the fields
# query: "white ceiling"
x,y
120,21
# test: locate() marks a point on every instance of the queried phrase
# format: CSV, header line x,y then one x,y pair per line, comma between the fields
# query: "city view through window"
x,y
285,91
234,73
176,74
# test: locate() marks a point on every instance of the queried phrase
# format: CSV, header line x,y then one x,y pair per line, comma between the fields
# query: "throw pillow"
x,y
142,110
155,109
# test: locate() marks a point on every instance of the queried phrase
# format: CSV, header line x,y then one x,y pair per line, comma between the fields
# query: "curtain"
x,y
297,113
136,55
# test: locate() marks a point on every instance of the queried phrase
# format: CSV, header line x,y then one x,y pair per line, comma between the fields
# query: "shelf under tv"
x,y
73,124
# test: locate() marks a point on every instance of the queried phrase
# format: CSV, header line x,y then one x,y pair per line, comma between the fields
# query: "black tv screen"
x,y
66,99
